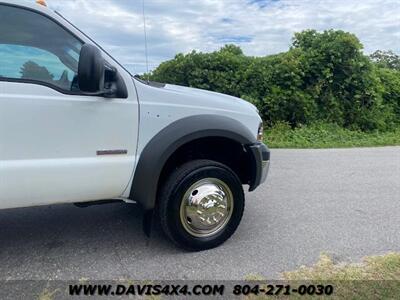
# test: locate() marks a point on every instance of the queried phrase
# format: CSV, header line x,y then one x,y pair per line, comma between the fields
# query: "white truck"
x,y
77,127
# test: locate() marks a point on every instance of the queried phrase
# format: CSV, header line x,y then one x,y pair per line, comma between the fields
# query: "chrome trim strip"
x,y
112,152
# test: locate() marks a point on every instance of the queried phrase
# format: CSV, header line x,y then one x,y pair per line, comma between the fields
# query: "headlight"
x,y
260,134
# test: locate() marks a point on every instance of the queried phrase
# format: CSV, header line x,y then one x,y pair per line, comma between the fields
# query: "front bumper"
x,y
260,167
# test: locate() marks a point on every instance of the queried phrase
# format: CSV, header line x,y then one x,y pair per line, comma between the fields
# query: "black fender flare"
x,y
160,148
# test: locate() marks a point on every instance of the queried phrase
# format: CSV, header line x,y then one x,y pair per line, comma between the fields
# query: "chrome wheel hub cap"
x,y
206,207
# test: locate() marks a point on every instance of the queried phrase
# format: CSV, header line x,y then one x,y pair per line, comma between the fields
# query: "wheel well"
x,y
224,150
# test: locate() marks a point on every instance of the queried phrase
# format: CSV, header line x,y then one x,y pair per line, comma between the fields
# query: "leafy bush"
x,y
219,71
390,89
324,77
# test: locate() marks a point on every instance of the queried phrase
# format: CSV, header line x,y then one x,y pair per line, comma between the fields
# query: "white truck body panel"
x,y
48,140
160,107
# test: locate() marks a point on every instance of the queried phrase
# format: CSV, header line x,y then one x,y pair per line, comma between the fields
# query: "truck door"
x,y
56,144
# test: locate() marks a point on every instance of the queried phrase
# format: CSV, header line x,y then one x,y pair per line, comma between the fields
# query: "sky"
x,y
259,27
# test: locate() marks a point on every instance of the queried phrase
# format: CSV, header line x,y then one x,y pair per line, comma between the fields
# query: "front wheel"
x,y
201,204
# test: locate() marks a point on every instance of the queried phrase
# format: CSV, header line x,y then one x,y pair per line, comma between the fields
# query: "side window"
x,y
36,49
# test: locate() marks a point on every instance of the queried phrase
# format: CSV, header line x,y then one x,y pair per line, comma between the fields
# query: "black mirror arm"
x,y
110,81
110,70
110,88
100,94
106,93
110,93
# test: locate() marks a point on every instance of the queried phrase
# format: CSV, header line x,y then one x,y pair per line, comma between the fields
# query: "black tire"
x,y
171,195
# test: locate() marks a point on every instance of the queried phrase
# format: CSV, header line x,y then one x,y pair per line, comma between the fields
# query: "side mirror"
x,y
91,70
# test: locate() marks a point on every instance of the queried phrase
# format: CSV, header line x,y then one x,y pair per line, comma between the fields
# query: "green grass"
x,y
327,136
376,277
385,267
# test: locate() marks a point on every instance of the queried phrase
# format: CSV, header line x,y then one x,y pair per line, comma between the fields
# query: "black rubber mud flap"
x,y
148,222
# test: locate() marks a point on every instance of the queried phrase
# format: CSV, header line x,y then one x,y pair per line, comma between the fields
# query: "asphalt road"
x,y
343,202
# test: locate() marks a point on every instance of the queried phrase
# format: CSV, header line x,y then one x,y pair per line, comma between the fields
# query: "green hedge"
x,y
324,77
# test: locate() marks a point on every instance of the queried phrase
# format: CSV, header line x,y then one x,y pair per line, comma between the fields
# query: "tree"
x,y
386,59
324,76
217,71
340,78
232,49
31,70
390,88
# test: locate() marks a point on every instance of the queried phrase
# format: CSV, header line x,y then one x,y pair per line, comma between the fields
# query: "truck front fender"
x,y
156,153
